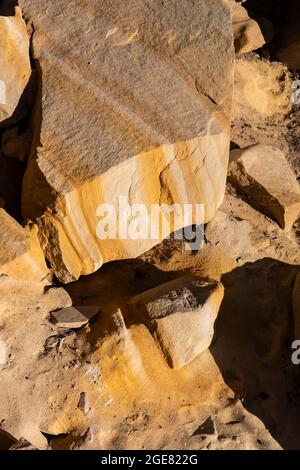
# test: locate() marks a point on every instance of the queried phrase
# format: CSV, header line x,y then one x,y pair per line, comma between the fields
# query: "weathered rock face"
x,y
246,31
21,256
263,173
15,67
136,102
296,307
181,313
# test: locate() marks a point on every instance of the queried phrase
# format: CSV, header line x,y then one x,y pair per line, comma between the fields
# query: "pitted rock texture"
x,y
21,256
263,173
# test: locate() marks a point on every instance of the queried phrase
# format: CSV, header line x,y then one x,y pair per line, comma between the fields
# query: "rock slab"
x,y
74,317
181,314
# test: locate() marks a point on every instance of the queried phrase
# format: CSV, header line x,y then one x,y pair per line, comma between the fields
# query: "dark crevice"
x,y
7,7
6,440
253,347
282,14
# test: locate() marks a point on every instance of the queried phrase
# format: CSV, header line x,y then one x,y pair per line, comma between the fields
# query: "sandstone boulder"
x,y
246,31
296,307
263,173
181,314
15,67
21,256
135,101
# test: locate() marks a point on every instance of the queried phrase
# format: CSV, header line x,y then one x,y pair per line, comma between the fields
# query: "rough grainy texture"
x,y
262,89
21,256
15,67
296,307
144,92
181,313
263,173
246,31
134,98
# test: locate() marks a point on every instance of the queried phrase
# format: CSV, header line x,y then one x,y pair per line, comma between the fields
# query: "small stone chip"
x,y
74,317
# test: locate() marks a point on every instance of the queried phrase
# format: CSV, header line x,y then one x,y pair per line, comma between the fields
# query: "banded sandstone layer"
x,y
144,92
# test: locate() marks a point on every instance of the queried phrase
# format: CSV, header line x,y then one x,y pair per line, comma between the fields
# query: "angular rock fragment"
x,y
21,256
15,67
181,314
136,102
296,307
74,317
246,31
263,173
288,41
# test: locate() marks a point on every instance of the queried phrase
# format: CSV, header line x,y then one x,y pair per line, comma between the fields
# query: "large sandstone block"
x,y
181,314
21,256
15,67
263,173
136,101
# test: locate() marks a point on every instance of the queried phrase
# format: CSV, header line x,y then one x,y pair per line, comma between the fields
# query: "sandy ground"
x,y
108,387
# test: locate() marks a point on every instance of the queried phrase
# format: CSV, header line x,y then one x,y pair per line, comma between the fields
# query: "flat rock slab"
x,y
21,255
181,315
74,317
263,173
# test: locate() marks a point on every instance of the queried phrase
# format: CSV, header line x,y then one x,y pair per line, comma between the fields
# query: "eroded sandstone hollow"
x,y
149,342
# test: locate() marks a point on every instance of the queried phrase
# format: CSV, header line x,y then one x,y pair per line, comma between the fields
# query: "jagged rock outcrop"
x,y
181,314
136,102
21,256
263,173
15,66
